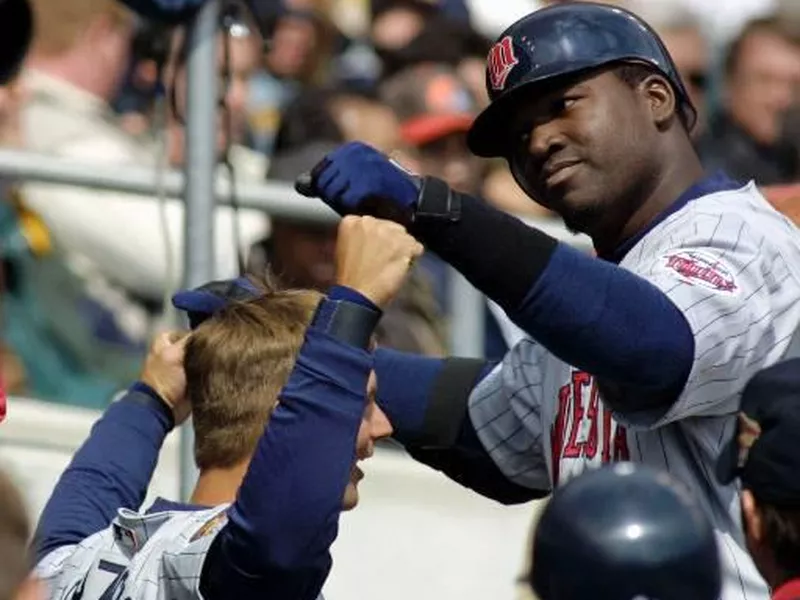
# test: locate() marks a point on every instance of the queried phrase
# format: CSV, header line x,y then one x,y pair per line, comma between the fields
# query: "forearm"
x,y
286,514
111,470
590,313
426,401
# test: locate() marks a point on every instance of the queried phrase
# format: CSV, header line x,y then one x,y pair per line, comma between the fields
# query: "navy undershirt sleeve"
x,y
590,313
111,470
406,389
405,382
276,542
607,321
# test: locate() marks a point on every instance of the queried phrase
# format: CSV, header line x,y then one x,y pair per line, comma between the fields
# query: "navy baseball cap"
x,y
202,302
763,451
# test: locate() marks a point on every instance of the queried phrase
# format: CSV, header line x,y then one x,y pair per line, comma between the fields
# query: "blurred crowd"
x,y
85,272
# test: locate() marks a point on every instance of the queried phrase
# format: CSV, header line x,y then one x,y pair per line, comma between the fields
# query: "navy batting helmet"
x,y
562,40
623,532
16,30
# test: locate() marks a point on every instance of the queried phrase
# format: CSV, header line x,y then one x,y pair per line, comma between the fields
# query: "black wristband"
x,y
499,254
437,202
149,397
346,321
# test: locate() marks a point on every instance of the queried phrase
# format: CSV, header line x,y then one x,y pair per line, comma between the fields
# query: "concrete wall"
x,y
415,535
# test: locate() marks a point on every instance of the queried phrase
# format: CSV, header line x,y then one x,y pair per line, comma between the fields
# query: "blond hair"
x,y
236,364
60,24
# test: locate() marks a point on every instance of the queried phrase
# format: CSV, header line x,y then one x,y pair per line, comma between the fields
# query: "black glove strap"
x,y
348,322
437,202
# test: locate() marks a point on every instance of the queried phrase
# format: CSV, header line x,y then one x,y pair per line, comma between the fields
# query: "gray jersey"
x,y
155,556
731,264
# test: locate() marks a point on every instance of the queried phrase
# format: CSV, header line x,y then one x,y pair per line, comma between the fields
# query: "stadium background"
x,y
78,306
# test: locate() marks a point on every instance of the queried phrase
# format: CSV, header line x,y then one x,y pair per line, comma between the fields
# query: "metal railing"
x,y
202,190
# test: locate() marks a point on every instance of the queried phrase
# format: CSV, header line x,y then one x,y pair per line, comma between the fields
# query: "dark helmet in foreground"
x,y
623,532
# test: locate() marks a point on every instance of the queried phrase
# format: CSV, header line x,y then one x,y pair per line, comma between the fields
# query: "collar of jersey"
x,y
164,505
718,182
788,591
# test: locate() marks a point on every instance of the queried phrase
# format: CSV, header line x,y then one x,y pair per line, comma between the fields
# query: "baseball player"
x,y
764,457
648,538
266,506
637,354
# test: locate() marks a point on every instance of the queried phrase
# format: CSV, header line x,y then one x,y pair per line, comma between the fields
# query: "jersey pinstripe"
x,y
154,556
731,263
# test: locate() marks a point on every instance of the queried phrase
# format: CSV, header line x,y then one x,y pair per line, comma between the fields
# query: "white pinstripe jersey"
x,y
731,264
153,556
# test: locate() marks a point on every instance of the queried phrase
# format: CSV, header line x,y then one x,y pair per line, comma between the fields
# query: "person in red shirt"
x,y
764,455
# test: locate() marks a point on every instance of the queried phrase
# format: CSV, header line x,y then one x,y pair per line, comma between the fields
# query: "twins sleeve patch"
x,y
702,269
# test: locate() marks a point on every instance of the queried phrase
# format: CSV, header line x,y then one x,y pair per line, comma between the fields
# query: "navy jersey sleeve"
x,y
588,312
111,470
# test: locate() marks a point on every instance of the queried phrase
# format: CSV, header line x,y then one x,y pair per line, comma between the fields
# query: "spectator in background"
x,y
297,57
59,338
300,253
115,236
407,32
749,138
436,109
763,454
91,307
471,65
242,46
16,583
136,99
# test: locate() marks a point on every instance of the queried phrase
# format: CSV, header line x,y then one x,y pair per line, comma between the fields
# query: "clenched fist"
x,y
374,256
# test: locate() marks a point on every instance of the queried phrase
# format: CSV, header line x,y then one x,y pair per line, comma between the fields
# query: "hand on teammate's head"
x,y
163,371
374,256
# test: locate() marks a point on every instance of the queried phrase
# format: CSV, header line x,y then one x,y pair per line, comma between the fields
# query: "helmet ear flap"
x,y
519,165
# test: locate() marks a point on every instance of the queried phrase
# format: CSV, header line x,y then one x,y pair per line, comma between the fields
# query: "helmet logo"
x,y
501,62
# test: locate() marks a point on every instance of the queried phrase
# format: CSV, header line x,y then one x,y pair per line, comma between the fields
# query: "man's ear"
x,y
751,517
660,97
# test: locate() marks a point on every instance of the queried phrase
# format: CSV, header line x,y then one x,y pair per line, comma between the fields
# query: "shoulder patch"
x,y
213,525
700,268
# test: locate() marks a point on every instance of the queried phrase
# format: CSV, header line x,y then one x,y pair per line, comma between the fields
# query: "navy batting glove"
x,y
357,179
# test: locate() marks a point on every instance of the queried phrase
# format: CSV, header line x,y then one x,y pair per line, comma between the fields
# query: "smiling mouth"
x,y
560,174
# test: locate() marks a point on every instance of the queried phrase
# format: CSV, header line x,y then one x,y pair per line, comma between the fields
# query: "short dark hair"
x,y
633,74
772,25
782,536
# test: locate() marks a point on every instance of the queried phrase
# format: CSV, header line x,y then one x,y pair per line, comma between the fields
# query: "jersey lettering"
x,y
586,425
